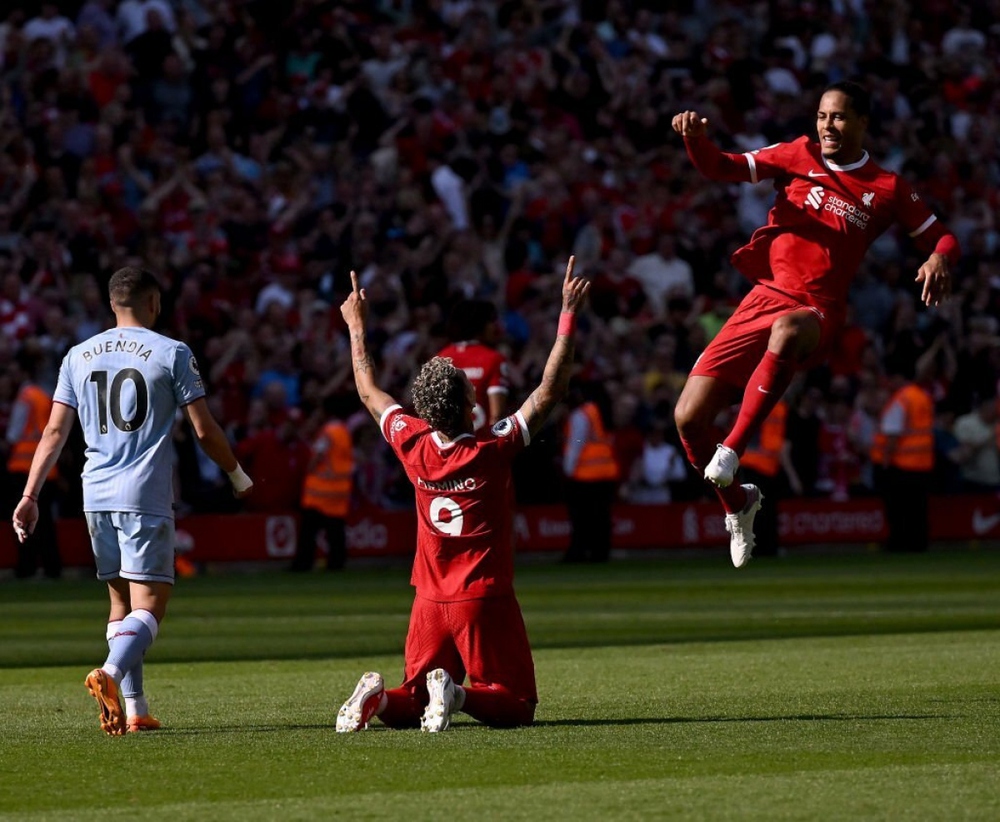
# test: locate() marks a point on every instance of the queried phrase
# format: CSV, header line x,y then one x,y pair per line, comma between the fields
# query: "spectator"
x,y
977,434
278,456
663,274
658,467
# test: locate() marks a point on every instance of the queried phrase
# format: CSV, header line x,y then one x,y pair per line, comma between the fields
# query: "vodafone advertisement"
x,y
383,533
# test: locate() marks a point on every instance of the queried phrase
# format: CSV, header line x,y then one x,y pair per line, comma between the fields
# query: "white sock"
x,y
136,706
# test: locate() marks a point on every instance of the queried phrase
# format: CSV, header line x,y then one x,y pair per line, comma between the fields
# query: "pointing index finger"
x,y
569,268
354,282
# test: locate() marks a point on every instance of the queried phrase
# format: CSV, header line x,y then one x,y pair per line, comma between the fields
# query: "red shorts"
x,y
482,638
739,346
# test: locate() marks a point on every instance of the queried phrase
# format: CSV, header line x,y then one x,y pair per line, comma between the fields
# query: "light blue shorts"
x,y
133,546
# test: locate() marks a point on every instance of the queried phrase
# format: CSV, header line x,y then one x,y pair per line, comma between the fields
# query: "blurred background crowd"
x,y
252,153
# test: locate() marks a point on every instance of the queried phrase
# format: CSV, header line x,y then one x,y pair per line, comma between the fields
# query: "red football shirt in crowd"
x,y
486,369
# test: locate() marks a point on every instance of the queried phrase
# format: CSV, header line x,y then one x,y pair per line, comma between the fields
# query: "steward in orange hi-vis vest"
x,y
597,457
913,448
328,484
31,412
592,475
326,496
903,457
764,454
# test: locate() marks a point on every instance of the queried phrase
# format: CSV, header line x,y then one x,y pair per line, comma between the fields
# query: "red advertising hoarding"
x,y
545,528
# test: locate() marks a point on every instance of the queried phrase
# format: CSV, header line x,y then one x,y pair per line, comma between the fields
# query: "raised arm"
x,y
706,156
555,377
355,313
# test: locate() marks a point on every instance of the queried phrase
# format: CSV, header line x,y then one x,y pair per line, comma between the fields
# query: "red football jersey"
x,y
823,221
465,504
486,369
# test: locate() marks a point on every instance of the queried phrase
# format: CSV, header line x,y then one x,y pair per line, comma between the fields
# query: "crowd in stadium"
x,y
253,153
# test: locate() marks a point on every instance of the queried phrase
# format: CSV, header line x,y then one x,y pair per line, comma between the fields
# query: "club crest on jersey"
x,y
866,199
398,424
503,427
193,365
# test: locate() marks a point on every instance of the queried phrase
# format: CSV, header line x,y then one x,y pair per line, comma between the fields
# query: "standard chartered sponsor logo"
x,y
849,211
839,207
815,197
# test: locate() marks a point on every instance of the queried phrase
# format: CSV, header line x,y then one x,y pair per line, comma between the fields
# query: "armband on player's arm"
x,y
934,238
948,245
716,164
567,324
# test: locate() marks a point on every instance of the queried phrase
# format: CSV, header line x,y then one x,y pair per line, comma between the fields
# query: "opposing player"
x,y
832,202
473,328
465,618
126,384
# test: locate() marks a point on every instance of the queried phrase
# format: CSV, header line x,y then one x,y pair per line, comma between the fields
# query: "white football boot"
x,y
362,705
437,716
740,527
721,471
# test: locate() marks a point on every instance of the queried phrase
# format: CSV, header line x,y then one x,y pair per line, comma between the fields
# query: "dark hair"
x,y
439,396
129,285
861,99
469,319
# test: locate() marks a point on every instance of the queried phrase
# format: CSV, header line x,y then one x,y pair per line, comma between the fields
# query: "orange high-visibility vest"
x,y
764,456
597,457
914,449
328,484
39,406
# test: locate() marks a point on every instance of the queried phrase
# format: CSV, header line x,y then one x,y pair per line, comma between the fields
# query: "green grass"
x,y
839,687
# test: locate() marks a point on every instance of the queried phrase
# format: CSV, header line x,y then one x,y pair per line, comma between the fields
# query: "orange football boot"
x,y
142,723
105,690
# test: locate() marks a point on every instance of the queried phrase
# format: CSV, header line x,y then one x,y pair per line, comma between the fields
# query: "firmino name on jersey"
x,y
118,347
849,211
466,484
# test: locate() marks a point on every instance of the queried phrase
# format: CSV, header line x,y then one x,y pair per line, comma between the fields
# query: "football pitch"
x,y
838,687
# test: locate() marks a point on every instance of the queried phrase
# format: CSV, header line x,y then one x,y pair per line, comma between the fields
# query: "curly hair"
x,y
439,396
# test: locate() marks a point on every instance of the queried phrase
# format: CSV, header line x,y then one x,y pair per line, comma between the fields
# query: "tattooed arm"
x,y
555,377
355,311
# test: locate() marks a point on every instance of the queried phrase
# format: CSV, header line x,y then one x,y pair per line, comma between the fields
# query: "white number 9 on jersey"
x,y
446,515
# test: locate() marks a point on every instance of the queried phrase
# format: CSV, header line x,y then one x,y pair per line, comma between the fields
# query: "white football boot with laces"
x,y
740,527
721,471
437,716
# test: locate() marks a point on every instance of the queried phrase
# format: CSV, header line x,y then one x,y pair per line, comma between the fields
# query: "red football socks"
x,y
766,386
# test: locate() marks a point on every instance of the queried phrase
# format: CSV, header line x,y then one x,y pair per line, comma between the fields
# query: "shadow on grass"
x,y
676,720
243,729
567,723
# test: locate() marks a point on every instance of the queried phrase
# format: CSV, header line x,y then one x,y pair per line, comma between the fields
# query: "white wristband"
x,y
238,477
